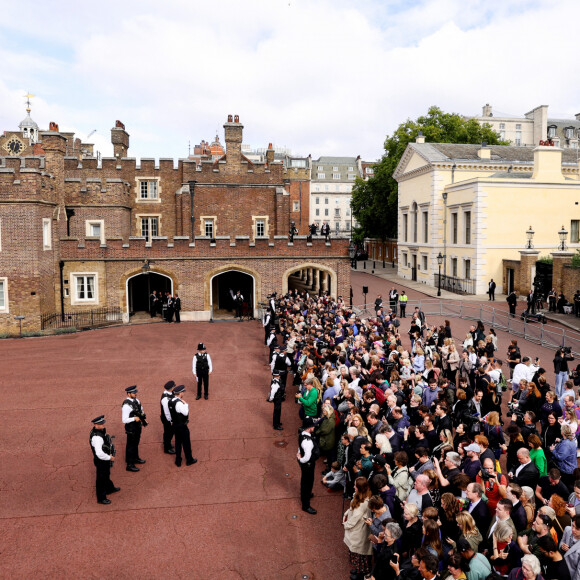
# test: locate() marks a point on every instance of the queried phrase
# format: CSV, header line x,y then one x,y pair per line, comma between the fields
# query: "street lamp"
x,y
352,254
563,234
439,262
146,266
530,235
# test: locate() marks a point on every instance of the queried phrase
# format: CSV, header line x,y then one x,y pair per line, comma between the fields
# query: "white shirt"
x,y
522,371
182,407
473,504
126,411
165,405
194,366
97,443
307,447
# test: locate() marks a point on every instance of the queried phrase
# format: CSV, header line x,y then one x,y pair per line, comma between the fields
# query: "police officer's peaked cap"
x,y
179,389
308,422
201,346
277,347
99,420
132,389
169,385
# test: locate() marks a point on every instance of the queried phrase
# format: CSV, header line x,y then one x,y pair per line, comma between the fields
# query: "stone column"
x,y
523,284
315,280
302,275
324,281
561,259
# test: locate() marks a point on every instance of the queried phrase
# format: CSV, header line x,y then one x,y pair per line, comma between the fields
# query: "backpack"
x,y
379,394
502,384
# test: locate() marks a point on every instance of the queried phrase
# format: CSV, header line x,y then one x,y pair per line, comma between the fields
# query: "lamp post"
x,y
352,254
444,231
439,262
562,234
530,235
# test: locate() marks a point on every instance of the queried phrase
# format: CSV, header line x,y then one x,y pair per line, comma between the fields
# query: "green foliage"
x,y
546,259
65,330
375,201
575,262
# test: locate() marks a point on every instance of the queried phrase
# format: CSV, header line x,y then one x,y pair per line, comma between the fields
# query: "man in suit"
x,y
527,473
502,514
443,419
491,289
518,514
477,507
177,307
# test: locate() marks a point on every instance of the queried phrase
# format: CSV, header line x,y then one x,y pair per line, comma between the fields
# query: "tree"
x,y
374,202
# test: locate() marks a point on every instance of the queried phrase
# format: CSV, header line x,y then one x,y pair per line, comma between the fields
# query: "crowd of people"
x,y
412,428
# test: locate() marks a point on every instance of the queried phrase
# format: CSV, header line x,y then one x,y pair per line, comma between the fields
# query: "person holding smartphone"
x,y
387,552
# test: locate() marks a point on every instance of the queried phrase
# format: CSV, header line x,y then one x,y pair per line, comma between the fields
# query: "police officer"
x,y
238,303
403,303
281,362
132,413
166,417
179,411
266,324
307,455
276,396
103,457
202,368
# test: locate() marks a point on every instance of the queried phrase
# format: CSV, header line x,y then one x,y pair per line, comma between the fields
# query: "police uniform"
x,y
281,363
131,411
201,369
238,302
266,324
103,453
276,397
168,431
179,411
307,463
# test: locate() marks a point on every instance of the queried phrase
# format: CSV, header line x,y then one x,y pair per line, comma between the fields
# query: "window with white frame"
x,y
317,188
317,200
46,233
569,131
551,131
347,226
424,263
336,176
96,229
454,267
351,168
467,219
317,212
326,211
84,287
260,228
351,176
3,294
148,189
321,175
320,168
336,212
348,211
574,231
468,269
337,227
425,227
149,227
326,200
326,188
454,228
208,228
335,168
369,171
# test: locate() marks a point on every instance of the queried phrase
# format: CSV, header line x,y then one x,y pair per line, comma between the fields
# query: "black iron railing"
x,y
81,318
456,285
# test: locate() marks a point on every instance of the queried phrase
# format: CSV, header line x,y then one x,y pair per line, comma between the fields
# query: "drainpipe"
x,y
192,195
61,265
445,233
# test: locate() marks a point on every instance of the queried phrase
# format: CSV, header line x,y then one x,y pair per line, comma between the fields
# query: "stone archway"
x,y
312,276
125,282
233,268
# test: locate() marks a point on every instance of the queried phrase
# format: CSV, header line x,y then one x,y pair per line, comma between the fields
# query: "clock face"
x,y
14,146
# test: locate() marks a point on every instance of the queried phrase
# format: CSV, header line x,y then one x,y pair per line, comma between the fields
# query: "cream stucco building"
x,y
474,204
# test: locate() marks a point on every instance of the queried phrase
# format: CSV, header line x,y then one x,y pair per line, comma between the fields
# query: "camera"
x,y
513,409
567,350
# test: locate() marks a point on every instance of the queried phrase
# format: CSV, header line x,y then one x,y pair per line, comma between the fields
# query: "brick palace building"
x,y
79,235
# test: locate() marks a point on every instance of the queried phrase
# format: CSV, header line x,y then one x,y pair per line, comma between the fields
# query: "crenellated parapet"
x,y
181,247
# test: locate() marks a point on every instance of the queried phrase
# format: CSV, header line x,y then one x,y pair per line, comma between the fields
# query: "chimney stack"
x,y
233,130
120,140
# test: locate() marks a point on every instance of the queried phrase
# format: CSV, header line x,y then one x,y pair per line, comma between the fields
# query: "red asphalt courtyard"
x,y
234,515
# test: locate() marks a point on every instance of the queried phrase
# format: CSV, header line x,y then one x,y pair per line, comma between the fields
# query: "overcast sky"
x,y
325,77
